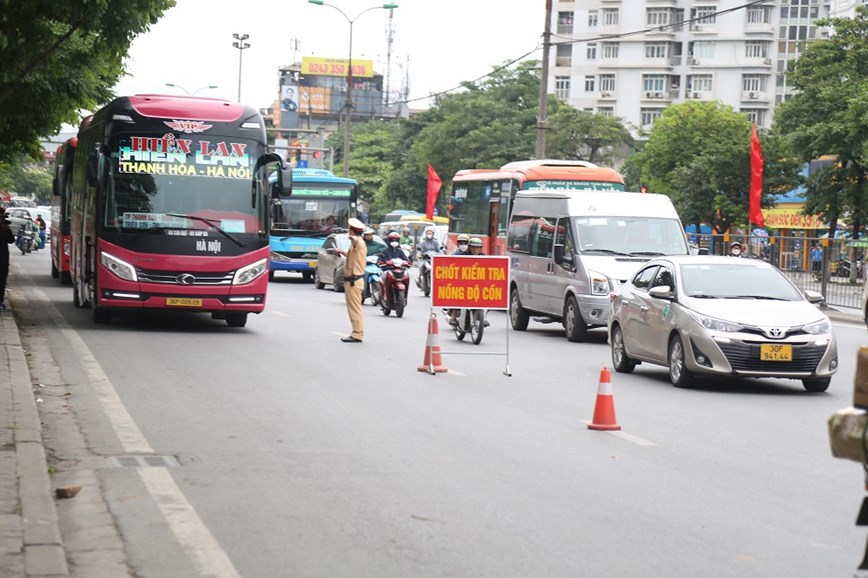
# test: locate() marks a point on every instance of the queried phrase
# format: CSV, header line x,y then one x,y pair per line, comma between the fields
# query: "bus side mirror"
x,y
93,165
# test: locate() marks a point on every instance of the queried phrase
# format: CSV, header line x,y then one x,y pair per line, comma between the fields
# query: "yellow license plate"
x,y
311,264
183,302
770,352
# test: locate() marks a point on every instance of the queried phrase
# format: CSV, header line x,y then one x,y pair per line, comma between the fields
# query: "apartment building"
x,y
633,58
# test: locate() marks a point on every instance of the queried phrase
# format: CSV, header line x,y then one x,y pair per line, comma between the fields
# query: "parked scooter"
x,y
470,321
393,282
372,281
423,279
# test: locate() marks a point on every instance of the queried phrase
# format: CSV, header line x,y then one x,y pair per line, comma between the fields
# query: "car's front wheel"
x,y
816,384
620,361
679,375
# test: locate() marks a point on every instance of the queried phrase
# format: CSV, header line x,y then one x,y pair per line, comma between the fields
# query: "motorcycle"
x,y
372,281
470,321
394,286
25,239
423,280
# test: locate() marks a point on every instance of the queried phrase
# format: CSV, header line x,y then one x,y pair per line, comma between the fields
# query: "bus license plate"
x,y
183,302
311,264
770,352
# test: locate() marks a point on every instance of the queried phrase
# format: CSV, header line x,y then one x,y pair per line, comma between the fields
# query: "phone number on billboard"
x,y
336,69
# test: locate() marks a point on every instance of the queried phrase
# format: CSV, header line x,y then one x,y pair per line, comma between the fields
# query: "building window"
x,y
564,55
649,115
657,17
760,14
610,50
700,83
757,115
656,49
606,111
565,22
591,53
703,15
702,50
610,16
752,83
590,84
593,19
755,49
607,83
653,82
562,87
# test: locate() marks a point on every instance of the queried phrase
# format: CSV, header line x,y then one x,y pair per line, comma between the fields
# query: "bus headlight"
x,y
249,273
120,269
599,283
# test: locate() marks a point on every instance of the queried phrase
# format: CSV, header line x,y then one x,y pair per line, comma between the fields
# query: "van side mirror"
x,y
559,254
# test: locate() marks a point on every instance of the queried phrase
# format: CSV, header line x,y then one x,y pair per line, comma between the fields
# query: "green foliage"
x,y
581,135
829,116
60,58
27,179
698,153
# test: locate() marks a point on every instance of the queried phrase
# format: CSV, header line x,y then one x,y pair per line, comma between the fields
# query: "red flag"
x,y
756,180
434,184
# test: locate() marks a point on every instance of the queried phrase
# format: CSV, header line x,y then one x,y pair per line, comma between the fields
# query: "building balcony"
x,y
656,95
754,95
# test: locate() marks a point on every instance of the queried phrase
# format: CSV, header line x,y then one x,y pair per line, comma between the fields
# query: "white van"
x,y
569,250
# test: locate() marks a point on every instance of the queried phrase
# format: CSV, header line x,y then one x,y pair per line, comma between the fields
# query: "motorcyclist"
x,y
429,244
735,249
33,228
475,246
406,239
374,248
392,251
463,248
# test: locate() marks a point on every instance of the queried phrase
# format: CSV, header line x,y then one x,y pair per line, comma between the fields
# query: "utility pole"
x,y
544,86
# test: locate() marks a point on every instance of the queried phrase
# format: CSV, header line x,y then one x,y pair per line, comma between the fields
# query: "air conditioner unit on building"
x,y
767,60
658,95
753,95
649,95
692,61
696,95
606,94
696,27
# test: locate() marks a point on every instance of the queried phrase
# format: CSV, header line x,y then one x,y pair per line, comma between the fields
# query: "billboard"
x,y
336,67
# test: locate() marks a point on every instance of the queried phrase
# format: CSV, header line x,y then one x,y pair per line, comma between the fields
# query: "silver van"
x,y
570,250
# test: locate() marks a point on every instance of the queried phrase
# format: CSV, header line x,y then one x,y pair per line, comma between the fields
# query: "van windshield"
x,y
635,236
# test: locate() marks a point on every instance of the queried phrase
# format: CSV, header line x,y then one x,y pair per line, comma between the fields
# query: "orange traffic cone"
x,y
432,362
604,410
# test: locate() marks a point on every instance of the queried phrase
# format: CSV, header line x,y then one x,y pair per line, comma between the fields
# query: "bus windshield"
x,y
156,192
314,207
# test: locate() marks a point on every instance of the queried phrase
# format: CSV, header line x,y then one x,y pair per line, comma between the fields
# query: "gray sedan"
x,y
721,316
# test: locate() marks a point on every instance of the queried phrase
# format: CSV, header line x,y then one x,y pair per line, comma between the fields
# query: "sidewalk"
x,y
30,542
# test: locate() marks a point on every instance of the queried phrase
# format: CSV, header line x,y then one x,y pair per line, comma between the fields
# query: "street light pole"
x,y
195,91
349,99
240,45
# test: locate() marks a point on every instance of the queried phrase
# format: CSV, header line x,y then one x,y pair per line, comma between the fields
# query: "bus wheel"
x,y
236,319
76,296
54,271
271,275
574,326
307,276
65,278
518,315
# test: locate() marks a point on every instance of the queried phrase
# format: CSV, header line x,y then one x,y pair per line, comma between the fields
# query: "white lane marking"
x,y
180,516
281,313
625,436
208,558
453,372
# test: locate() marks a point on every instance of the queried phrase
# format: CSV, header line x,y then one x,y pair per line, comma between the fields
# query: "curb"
x,y
848,316
44,554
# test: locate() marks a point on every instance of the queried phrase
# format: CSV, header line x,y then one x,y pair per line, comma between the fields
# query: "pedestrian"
x,y
816,259
6,237
354,271
42,227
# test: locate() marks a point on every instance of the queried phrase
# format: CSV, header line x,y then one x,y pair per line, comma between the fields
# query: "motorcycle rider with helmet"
x,y
374,248
429,244
463,248
474,247
392,251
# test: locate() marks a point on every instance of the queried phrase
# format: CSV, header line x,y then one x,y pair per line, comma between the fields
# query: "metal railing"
x,y
837,271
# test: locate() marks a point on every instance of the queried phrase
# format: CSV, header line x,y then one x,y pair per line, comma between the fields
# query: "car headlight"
x,y
249,273
599,283
716,324
120,269
818,328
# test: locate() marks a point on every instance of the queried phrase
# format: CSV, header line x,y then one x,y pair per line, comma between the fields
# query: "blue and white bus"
x,y
321,204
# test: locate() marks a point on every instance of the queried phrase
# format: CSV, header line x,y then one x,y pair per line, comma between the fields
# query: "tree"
x,y
698,153
581,135
828,117
60,58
